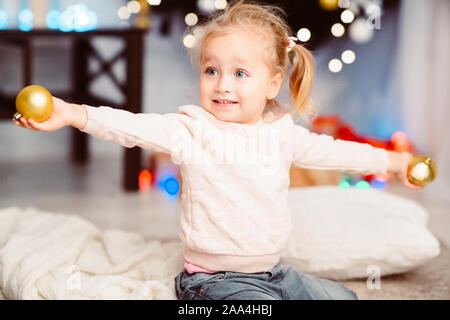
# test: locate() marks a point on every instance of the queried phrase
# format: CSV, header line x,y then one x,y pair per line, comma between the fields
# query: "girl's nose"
x,y
223,84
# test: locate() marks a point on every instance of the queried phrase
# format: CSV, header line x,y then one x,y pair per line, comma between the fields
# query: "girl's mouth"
x,y
224,103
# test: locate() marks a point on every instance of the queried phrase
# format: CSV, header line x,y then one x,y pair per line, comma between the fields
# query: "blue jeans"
x,y
282,282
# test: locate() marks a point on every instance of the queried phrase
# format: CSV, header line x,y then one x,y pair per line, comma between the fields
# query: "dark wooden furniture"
x,y
82,50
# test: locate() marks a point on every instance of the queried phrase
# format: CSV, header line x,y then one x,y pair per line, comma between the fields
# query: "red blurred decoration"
x,y
145,180
333,126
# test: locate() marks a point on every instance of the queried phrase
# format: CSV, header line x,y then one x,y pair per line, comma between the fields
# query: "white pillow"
x,y
348,233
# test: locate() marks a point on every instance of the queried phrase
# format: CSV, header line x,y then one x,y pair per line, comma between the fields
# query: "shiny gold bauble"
x,y
421,170
34,102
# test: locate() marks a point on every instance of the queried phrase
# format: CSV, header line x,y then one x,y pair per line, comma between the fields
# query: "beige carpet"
x,y
430,281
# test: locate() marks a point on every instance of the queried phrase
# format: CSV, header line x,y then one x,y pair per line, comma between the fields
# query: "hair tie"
x,y
292,41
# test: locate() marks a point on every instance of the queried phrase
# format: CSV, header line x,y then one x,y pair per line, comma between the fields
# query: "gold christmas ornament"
x,y
421,170
34,102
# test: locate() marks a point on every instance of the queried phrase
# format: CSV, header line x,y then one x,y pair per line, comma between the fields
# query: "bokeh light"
x,y
124,13
379,183
304,34
399,136
345,183
25,19
206,5
53,18
78,18
360,32
220,4
335,65
348,56
145,180
347,16
189,41
154,2
191,19
363,184
329,4
171,186
134,6
337,30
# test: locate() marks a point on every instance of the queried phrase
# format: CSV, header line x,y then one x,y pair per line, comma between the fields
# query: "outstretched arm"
x,y
320,151
149,131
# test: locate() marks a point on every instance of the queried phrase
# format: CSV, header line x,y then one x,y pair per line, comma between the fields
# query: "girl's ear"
x,y
275,86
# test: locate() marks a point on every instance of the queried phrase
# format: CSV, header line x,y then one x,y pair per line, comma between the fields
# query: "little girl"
x,y
234,154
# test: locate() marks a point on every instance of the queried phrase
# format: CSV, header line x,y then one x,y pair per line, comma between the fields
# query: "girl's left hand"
x,y
399,163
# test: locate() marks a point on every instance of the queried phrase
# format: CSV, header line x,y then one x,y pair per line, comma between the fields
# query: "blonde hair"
x,y
243,13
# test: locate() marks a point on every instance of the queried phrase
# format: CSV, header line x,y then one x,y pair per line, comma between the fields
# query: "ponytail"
x,y
301,81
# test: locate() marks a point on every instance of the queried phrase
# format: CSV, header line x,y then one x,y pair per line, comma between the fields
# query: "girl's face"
x,y
235,79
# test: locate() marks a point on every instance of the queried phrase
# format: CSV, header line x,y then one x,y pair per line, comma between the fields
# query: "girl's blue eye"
x,y
211,72
240,74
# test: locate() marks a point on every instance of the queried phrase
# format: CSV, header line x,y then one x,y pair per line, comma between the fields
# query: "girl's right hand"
x,y
59,118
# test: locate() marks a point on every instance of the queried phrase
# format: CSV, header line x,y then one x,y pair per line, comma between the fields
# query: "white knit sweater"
x,y
235,215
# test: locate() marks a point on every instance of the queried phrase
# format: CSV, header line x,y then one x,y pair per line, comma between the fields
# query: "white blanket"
x,y
57,256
